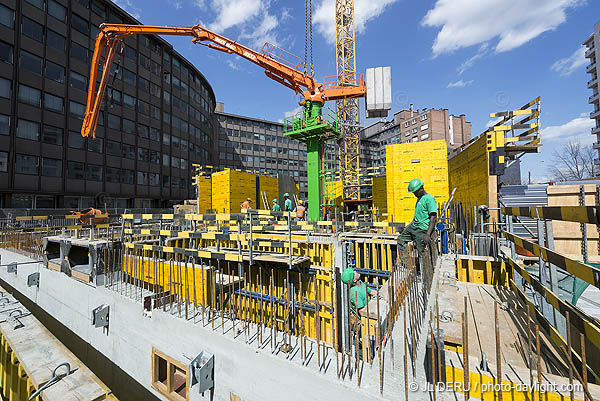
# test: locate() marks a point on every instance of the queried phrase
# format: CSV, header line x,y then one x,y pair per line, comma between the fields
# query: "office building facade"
x,y
412,125
593,53
257,145
157,119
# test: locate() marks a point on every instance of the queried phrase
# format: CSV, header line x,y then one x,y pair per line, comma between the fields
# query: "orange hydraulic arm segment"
x,y
276,67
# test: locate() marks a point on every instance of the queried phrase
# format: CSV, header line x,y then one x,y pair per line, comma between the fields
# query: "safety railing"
x,y
572,331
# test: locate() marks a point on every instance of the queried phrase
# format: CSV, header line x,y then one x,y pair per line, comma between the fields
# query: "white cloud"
x,y
291,113
364,11
469,62
459,84
128,6
578,129
466,23
568,65
233,12
254,19
232,65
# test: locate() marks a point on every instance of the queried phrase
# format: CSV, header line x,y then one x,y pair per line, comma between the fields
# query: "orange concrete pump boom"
x,y
275,61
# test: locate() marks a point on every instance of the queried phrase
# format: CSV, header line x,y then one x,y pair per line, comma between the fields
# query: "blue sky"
x,y
470,56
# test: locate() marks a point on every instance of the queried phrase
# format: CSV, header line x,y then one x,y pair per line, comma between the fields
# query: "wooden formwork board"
x,y
567,235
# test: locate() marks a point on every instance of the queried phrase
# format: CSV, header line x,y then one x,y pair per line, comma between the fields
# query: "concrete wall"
x,y
246,370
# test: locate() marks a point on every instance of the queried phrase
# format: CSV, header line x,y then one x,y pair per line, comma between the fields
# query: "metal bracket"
x,y
100,316
11,267
13,318
33,279
202,371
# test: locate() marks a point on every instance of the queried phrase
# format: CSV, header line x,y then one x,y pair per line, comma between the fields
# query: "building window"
x,y
28,130
5,88
4,124
76,141
56,41
129,101
29,95
27,164
128,77
7,17
95,145
54,103
32,29
128,126
143,107
165,159
52,135
80,24
143,155
37,3
142,178
6,53
98,8
76,109
128,151
113,175
51,167
127,177
3,162
113,148
79,52
75,170
425,136
93,172
55,72
424,127
31,62
57,10
143,84
78,81
114,122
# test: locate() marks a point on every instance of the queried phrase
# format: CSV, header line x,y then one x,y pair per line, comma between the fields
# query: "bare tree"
x,y
573,161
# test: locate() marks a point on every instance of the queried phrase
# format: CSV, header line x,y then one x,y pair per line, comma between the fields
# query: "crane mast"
x,y
347,109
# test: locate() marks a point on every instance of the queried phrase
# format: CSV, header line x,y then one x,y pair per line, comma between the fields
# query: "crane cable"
x,y
312,72
305,34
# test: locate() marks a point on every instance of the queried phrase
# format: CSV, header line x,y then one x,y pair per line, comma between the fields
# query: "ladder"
x,y
265,200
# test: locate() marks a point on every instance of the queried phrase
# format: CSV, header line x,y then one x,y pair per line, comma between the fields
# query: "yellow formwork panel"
x,y
425,160
270,186
379,190
230,188
204,185
468,172
198,286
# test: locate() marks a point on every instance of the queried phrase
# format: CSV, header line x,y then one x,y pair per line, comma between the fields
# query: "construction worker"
x,y
287,205
276,207
359,293
300,211
423,223
246,204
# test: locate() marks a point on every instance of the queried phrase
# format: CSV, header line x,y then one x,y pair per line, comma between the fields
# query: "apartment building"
x,y
593,53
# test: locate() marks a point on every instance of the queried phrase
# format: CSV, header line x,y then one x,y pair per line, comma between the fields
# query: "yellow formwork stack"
x,y
379,189
424,160
270,186
230,188
204,186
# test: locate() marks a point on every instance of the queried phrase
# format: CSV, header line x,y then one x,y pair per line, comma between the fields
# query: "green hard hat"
x,y
348,275
414,184
286,194
274,200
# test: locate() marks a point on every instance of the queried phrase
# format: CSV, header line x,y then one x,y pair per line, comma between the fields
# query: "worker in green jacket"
x,y
276,207
423,223
359,294
287,205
